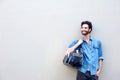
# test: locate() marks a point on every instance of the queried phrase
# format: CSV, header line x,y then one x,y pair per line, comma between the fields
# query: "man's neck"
x,y
87,37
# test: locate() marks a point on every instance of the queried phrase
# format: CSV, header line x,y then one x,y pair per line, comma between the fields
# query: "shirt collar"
x,y
91,38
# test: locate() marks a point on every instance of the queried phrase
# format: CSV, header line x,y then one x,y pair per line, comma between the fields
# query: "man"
x,y
92,54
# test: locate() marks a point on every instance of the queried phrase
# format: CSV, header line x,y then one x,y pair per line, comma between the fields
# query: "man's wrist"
x,y
99,70
80,41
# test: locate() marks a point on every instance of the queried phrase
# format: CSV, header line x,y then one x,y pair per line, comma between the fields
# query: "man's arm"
x,y
69,50
100,59
100,68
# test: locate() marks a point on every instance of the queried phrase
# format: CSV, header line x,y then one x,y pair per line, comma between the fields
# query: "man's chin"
x,y
84,34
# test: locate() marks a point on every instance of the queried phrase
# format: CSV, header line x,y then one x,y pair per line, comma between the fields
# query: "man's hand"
x,y
98,73
69,50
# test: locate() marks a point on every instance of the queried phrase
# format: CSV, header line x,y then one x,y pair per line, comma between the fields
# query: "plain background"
x,y
34,35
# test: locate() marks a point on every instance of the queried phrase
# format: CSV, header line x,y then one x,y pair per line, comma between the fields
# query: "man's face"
x,y
85,29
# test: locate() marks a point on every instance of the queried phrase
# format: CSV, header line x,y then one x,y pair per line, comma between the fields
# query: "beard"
x,y
85,32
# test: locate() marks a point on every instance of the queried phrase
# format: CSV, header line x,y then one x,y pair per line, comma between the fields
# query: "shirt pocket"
x,y
95,48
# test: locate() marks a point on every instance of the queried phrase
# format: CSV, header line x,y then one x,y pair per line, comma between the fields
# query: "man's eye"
x,y
84,27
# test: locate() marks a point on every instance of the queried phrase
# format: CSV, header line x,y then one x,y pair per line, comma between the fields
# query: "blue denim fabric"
x,y
92,53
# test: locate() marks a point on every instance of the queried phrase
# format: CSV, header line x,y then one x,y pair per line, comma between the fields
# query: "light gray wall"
x,y
34,35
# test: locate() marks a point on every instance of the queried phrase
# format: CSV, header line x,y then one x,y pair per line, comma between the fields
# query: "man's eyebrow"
x,y
84,27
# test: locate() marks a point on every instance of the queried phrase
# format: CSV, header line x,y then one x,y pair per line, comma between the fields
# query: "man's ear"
x,y
89,30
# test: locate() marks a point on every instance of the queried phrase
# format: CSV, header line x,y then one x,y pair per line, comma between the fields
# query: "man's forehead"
x,y
84,25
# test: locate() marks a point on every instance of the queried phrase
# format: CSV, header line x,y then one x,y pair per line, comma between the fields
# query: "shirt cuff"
x,y
101,58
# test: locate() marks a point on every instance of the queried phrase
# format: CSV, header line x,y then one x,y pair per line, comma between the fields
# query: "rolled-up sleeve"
x,y
100,53
73,43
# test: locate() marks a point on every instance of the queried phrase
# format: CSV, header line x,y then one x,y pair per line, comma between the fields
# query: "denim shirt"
x,y
92,53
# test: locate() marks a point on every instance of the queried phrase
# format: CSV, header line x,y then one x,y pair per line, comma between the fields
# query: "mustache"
x,y
84,31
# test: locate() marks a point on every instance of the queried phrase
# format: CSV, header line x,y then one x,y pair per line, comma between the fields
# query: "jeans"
x,y
86,76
